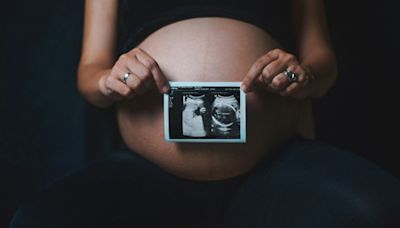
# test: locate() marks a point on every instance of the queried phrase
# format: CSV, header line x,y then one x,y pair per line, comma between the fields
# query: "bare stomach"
x,y
209,49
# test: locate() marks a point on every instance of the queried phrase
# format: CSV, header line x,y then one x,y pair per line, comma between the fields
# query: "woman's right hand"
x,y
144,74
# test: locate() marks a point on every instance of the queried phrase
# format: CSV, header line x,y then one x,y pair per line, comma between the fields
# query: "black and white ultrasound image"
x,y
204,113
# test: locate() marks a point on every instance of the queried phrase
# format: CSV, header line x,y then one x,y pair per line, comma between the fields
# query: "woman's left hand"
x,y
279,72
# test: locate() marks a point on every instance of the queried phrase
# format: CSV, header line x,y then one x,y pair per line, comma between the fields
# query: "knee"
x,y
347,204
320,188
320,203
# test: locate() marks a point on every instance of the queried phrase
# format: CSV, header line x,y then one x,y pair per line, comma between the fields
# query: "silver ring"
x,y
126,76
291,77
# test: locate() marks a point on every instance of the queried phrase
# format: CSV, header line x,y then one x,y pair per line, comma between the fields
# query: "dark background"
x,y
48,131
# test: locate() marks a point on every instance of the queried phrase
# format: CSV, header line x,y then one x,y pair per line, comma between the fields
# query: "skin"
x,y
258,62
315,66
99,72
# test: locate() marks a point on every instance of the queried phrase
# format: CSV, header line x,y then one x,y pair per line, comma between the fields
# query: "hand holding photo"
x,y
205,112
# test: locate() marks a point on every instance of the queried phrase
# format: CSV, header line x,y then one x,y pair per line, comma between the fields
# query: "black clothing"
x,y
306,184
138,19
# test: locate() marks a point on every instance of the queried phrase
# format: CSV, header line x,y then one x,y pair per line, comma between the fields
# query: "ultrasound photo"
x,y
205,112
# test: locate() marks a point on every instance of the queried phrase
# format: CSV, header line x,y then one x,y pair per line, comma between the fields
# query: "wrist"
x,y
92,87
103,100
313,86
322,71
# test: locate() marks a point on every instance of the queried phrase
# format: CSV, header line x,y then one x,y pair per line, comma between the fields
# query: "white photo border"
x,y
242,138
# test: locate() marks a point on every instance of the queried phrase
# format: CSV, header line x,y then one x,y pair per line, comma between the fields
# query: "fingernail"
x,y
244,88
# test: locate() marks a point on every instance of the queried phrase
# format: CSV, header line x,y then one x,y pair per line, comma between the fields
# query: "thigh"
x,y
122,191
310,184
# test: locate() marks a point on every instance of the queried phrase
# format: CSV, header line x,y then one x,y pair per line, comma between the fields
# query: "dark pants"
x,y
306,184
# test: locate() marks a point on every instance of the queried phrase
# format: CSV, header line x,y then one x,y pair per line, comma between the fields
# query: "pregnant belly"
x,y
208,49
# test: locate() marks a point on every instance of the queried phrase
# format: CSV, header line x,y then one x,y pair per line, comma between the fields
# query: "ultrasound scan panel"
x,y
205,112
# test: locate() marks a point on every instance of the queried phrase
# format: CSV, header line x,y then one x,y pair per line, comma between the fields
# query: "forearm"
x,y
321,63
89,76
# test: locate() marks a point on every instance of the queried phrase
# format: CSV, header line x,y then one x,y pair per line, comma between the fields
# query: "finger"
x,y
158,77
273,69
302,78
259,82
291,89
295,86
129,63
279,82
256,70
140,71
113,85
118,74
136,84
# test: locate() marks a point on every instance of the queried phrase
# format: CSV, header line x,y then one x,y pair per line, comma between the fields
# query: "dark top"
x,y
138,19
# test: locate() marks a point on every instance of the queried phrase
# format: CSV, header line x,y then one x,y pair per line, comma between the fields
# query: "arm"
x,y
98,49
315,50
101,73
315,65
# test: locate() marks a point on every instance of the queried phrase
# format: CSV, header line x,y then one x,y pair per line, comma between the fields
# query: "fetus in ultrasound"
x,y
193,116
225,114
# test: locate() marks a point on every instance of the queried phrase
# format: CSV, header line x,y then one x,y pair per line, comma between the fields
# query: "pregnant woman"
x,y
281,177
207,41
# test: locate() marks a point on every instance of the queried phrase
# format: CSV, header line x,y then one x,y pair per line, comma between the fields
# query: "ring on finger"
x,y
126,76
290,75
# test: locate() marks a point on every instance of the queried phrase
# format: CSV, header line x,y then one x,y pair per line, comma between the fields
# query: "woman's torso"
x,y
210,49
